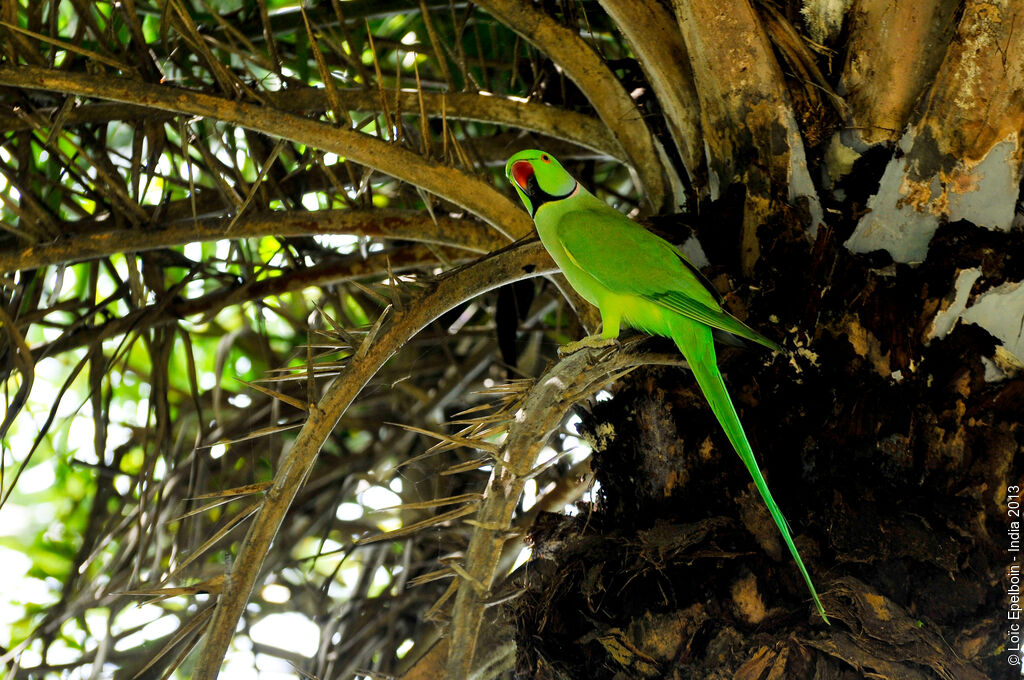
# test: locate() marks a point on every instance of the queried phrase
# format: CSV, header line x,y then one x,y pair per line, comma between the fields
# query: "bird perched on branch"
x,y
638,279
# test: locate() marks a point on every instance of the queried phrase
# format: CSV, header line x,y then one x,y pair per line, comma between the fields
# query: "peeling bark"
x,y
962,159
751,135
881,84
891,455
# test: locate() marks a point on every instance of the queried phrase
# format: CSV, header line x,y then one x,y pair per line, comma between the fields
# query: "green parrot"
x,y
636,278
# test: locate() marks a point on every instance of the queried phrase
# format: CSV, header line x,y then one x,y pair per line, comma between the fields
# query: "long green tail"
x,y
695,341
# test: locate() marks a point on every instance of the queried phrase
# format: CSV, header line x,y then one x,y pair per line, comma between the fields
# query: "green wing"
x,y
626,258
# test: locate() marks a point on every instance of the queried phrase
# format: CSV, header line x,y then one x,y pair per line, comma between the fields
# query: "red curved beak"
x,y
522,171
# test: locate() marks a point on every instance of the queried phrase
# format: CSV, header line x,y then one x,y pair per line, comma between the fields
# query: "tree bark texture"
x,y
890,432
962,154
890,455
856,193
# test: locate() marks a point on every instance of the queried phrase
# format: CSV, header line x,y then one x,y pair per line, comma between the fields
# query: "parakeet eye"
x,y
546,158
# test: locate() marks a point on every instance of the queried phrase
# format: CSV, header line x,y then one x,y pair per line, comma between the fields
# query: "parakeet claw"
x,y
589,342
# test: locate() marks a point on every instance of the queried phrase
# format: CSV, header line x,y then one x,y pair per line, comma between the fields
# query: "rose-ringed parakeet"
x,y
638,279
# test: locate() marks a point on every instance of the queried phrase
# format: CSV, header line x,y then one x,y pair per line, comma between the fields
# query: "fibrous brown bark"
x,y
750,132
881,84
651,31
889,455
962,157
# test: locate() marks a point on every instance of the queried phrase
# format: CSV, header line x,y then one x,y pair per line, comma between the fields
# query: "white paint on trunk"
x,y
1000,311
800,183
694,252
906,211
944,321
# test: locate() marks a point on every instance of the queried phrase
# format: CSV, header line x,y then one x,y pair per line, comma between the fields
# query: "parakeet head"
x,y
538,178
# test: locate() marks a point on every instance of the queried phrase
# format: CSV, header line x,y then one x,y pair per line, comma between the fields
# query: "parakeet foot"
x,y
589,342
